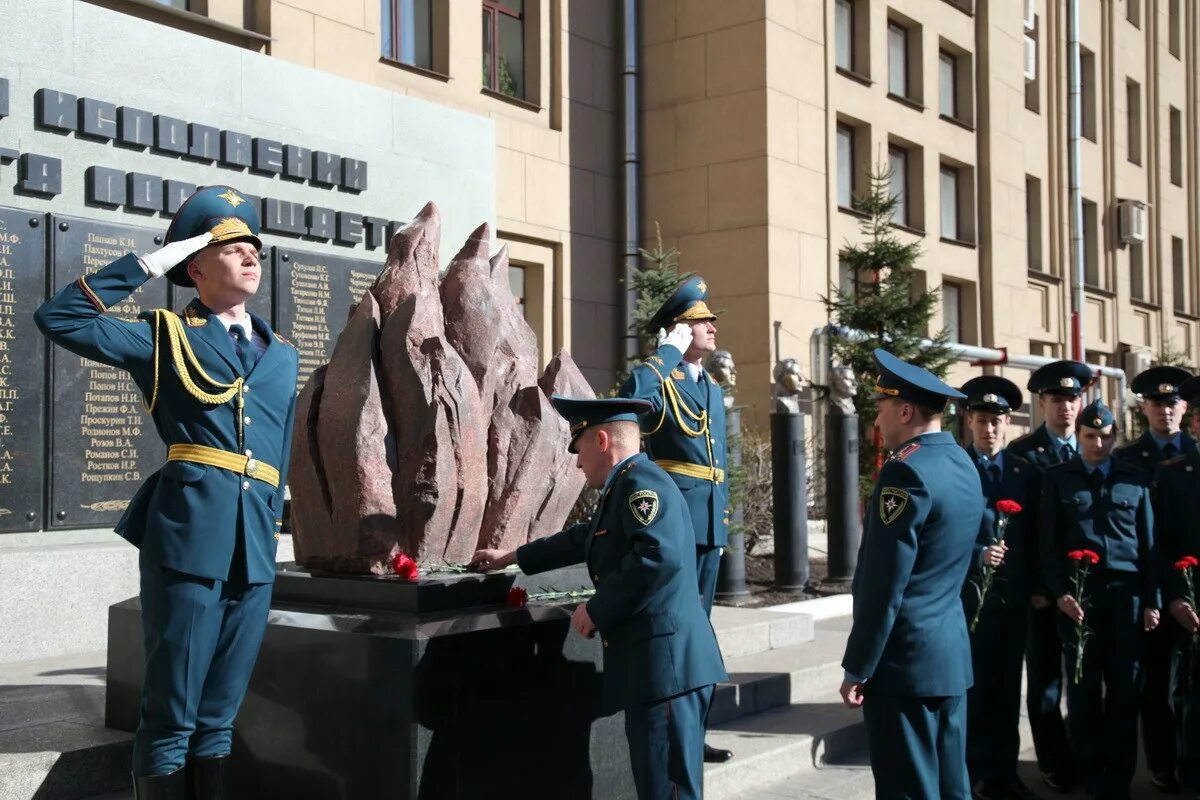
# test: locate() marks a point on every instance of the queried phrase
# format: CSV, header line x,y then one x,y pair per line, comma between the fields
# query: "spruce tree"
x,y
882,304
655,280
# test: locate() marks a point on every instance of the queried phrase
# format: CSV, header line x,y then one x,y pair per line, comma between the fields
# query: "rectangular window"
x,y
407,28
898,164
845,166
1137,273
897,38
948,84
1033,223
1173,27
182,5
1133,12
845,278
1176,147
844,34
1033,72
950,207
504,47
952,310
1133,120
516,284
1179,274
1087,76
1091,255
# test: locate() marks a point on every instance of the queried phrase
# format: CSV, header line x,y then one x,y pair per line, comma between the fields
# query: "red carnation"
x,y
1187,562
1091,555
517,597
405,567
1075,555
1008,507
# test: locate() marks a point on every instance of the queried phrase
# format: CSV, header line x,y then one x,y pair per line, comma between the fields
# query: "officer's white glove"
x,y
680,337
158,262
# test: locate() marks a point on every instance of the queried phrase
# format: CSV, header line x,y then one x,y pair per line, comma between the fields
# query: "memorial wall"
x,y
94,160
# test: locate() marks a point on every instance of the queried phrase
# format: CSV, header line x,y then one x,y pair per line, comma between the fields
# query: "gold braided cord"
x,y
182,356
680,407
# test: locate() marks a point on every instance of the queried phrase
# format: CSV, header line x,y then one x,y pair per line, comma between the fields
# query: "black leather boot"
x,y
207,778
172,786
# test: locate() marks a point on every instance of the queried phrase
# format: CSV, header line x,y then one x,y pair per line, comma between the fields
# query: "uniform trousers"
x,y
201,639
994,701
1044,692
666,745
1103,706
708,564
918,746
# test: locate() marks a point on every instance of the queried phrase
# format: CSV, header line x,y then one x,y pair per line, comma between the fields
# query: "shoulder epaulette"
x,y
192,319
904,452
677,374
284,339
1173,460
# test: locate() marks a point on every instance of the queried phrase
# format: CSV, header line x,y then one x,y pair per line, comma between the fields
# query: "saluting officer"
x,y
908,657
1099,503
684,433
1176,509
207,522
998,641
1158,390
1059,387
660,655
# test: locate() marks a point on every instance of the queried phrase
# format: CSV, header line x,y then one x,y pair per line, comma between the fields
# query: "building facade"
x,y
763,120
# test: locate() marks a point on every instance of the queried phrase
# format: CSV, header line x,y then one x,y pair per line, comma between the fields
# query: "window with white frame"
x,y
898,165
897,47
950,205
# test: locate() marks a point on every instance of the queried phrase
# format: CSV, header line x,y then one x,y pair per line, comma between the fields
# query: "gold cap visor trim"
x,y
698,311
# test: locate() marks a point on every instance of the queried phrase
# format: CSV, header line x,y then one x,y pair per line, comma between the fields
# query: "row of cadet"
x,y
1088,586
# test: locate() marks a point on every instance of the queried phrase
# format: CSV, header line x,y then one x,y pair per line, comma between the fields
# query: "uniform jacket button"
x,y
249,453
605,642
245,485
246,420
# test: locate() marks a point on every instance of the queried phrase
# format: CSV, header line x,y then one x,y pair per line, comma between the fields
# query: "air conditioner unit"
x,y
1030,14
1136,362
1131,221
1030,58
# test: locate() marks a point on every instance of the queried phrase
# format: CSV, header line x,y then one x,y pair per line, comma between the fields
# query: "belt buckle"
x,y
252,467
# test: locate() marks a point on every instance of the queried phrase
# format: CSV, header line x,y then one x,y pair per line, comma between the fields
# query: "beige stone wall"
x,y
742,104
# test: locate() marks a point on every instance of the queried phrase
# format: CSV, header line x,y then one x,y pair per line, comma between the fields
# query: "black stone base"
x,y
484,702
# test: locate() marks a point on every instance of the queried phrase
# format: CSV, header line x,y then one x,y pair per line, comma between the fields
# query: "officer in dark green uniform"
x,y
660,654
998,641
685,431
1158,390
908,657
1176,510
1059,387
1099,503
207,522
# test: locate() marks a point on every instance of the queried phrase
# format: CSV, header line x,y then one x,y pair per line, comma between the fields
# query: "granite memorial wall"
x,y
75,439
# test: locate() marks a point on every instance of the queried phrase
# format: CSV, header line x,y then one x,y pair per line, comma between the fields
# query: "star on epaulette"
x,y
656,359
905,452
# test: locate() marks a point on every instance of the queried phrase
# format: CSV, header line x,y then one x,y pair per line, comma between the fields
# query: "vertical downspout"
x,y
1074,126
631,207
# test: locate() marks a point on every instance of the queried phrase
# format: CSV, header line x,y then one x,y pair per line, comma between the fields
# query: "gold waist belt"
x,y
692,470
250,467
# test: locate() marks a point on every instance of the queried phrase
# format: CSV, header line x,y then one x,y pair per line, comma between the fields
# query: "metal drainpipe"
x,y
1074,127
630,164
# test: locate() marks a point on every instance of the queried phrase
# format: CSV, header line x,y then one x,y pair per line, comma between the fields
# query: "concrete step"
x,y
46,609
53,743
772,678
747,631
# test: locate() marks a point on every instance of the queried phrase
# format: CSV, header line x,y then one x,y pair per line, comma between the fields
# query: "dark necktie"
x,y
1170,450
1096,479
245,349
994,473
1067,453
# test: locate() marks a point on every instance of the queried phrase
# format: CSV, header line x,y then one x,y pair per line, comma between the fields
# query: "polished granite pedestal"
x,y
368,688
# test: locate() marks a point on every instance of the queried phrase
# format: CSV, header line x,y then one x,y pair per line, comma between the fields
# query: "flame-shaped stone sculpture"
x,y
430,431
